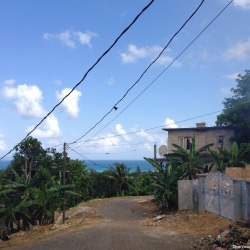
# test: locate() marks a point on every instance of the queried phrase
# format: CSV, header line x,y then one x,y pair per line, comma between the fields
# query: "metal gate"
x,y
243,193
219,195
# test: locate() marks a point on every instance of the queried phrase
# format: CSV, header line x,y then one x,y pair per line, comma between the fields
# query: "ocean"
x,y
101,165
4,164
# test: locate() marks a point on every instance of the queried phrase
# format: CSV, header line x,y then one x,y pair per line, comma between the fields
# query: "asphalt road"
x,y
120,229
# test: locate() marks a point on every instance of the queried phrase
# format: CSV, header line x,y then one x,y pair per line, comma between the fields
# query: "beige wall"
x,y
236,173
202,137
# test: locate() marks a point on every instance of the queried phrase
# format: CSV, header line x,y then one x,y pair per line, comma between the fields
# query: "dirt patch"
x,y
189,222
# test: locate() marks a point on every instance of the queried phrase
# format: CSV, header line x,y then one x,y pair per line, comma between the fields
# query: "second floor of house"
x,y
203,136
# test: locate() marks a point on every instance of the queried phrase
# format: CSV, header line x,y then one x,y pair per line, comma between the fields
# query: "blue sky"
x,y
47,47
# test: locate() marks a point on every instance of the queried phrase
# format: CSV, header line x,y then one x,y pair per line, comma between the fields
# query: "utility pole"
x,y
64,180
155,149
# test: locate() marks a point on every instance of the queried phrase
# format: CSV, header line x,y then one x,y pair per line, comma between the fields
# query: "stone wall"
x,y
238,172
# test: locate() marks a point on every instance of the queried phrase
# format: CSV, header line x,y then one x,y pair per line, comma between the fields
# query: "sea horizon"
x,y
102,165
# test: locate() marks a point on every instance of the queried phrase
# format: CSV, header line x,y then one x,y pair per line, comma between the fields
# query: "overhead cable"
x,y
83,78
180,54
96,164
114,107
147,129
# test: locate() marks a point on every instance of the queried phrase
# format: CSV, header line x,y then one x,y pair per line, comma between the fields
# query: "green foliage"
x,y
13,199
101,185
191,161
165,184
78,176
119,172
236,110
140,183
235,157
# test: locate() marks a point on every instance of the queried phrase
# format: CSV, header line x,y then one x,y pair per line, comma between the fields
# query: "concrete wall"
x,y
185,197
191,196
202,137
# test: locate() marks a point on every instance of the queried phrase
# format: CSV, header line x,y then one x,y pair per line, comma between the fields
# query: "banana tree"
x,y
47,198
235,157
165,184
14,207
191,160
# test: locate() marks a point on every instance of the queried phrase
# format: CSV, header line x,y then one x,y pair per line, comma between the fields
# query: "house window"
x,y
188,143
181,142
220,139
185,142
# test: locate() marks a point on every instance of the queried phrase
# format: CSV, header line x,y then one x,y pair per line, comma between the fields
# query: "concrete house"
x,y
203,135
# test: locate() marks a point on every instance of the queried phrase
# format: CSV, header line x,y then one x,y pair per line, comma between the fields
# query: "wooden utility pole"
x,y
64,180
155,149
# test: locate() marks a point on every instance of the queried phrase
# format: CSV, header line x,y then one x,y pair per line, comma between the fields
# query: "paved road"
x,y
121,229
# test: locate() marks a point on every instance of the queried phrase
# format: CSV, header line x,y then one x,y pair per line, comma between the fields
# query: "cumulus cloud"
x,y
85,38
28,103
9,81
146,136
28,100
169,123
70,38
239,51
135,53
120,130
48,129
70,104
245,4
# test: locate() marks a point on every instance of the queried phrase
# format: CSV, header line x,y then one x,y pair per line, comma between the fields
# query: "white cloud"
x,y
48,129
135,53
146,136
245,4
239,51
9,81
3,145
64,37
119,130
85,38
110,141
170,123
28,100
71,38
70,104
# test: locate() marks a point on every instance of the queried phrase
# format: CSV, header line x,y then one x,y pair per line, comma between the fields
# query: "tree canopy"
x,y
236,110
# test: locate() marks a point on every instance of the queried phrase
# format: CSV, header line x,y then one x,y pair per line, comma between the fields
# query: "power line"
x,y
120,145
143,73
147,129
180,54
96,164
85,75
